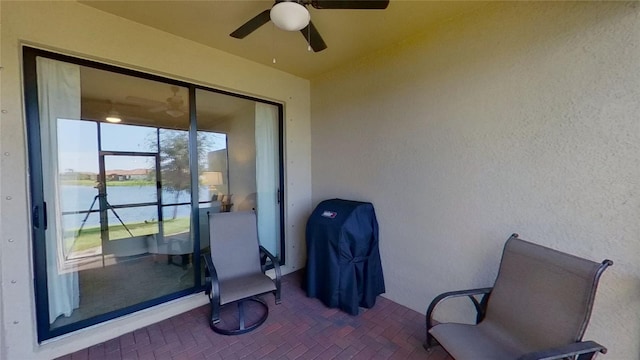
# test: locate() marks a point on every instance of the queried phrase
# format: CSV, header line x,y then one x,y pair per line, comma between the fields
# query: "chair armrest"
x,y
212,283
480,306
584,349
276,264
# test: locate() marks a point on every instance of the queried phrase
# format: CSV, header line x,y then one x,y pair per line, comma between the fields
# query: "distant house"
x,y
74,175
124,175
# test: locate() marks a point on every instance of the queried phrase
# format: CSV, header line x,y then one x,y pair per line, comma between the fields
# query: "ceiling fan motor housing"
x,y
290,16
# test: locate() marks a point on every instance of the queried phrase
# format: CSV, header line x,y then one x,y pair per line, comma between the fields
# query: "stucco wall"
x,y
78,30
2,322
520,117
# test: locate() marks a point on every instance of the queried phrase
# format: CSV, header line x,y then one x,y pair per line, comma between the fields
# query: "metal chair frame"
x,y
213,291
580,350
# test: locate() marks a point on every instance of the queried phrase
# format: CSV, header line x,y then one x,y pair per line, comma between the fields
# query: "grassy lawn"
x,y
90,236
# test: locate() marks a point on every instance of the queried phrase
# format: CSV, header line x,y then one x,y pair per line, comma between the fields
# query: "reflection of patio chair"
x,y
181,244
538,308
236,269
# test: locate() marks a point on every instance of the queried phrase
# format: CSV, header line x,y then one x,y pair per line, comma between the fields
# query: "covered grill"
x,y
343,257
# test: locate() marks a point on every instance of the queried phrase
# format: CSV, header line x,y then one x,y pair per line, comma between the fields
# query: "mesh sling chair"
x,y
538,308
235,269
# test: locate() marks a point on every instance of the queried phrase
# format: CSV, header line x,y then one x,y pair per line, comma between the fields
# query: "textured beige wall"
x,y
3,349
79,30
521,117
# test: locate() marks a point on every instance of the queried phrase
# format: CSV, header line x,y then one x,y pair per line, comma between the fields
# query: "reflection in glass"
x,y
174,166
218,116
178,224
130,179
213,169
268,176
118,245
131,222
77,176
122,137
119,197
250,163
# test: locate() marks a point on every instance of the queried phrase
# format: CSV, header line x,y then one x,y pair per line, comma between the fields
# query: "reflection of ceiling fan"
x,y
292,15
173,106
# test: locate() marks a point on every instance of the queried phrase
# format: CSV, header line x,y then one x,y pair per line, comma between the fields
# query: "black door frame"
x,y
38,205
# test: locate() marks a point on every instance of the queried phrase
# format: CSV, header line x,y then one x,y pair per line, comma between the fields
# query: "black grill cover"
x,y
343,258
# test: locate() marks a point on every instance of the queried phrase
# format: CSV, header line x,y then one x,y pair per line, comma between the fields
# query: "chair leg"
x,y
241,315
277,295
430,342
242,327
215,313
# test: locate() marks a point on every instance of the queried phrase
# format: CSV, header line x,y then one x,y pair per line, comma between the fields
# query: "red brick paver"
x,y
298,328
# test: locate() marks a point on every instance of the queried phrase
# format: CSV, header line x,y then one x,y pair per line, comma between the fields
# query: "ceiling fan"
x,y
173,106
292,15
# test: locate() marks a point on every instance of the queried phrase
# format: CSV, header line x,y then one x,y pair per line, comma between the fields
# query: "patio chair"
x,y
236,271
538,308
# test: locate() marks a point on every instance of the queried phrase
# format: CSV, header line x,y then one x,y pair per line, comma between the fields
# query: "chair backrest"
x,y
234,244
542,297
203,213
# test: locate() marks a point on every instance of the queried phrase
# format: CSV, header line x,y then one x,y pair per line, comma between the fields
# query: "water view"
x,y
123,222
80,198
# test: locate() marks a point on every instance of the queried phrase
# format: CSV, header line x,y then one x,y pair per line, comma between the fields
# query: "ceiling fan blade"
x,y
350,4
158,108
144,102
176,113
313,37
252,25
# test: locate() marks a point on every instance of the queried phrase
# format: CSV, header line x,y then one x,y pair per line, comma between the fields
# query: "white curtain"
x,y
267,176
58,98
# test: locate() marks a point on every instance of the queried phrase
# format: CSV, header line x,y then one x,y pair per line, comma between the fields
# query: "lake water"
x,y
80,198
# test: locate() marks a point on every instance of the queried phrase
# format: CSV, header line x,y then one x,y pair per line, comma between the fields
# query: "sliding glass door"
x,y
124,169
251,163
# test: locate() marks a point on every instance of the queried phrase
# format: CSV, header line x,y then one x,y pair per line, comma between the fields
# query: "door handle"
x,y
35,214
44,214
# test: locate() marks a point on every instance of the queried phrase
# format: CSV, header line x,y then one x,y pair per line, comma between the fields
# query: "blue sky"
x,y
78,145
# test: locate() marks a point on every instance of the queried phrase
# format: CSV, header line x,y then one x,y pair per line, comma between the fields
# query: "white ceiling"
x,y
349,34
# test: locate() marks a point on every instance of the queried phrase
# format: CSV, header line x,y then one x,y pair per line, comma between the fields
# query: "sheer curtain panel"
x,y
267,176
58,98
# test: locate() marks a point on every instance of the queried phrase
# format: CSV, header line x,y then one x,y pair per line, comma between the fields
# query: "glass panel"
x,y
174,167
78,161
176,219
110,248
116,182
238,148
268,176
85,241
130,179
212,168
120,137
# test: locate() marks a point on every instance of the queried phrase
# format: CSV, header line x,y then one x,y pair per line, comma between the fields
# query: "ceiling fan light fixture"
x,y
290,16
113,119
113,116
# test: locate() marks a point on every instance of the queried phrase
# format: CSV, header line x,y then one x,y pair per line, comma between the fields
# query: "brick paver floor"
x,y
298,328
